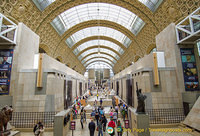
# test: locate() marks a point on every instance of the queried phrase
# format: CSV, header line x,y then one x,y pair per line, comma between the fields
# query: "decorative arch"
x,y
45,48
150,48
97,57
136,58
57,8
97,53
103,23
59,58
99,61
100,46
96,38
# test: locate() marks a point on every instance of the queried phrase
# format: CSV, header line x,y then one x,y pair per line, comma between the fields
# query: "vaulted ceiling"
x,y
108,33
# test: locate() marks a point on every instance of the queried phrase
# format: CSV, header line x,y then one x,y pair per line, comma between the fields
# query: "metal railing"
x,y
8,30
165,116
29,119
188,27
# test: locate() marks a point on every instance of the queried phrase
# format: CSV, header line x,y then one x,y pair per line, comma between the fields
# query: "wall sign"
x,y
189,69
6,56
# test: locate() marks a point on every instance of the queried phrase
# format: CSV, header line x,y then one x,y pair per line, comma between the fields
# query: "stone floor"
x,y
85,132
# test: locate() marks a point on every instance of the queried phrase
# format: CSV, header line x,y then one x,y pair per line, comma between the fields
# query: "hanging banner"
x,y
6,56
189,69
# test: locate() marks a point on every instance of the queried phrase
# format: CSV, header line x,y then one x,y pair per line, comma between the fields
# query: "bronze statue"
x,y
141,103
5,117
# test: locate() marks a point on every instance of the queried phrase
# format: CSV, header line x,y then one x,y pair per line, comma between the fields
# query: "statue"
x,y
5,117
141,98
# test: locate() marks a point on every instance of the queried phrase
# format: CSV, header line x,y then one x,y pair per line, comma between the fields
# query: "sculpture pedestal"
x,y
139,123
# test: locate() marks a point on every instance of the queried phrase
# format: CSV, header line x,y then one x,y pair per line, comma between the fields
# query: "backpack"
x,y
119,129
35,128
123,112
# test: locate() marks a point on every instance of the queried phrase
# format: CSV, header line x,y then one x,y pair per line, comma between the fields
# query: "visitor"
x,y
81,120
97,96
93,114
101,102
113,101
100,126
123,113
84,115
92,127
104,121
97,117
119,128
115,117
38,129
116,110
111,114
112,124
95,103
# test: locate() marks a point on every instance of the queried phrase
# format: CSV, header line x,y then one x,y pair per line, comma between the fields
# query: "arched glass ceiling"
x,y
96,50
98,59
98,42
97,11
98,65
98,55
98,31
151,4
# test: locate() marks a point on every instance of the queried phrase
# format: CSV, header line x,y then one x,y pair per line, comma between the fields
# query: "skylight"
x,y
42,4
96,43
97,11
98,55
151,4
98,59
98,31
96,50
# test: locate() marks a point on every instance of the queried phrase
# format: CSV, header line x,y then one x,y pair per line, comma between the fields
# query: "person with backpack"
x,y
112,124
123,113
38,129
119,128
97,116
104,121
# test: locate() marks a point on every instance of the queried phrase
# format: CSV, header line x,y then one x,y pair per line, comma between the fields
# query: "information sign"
x,y
73,125
126,124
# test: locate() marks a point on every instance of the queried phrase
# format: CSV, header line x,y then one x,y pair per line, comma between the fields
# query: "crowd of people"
x,y
101,121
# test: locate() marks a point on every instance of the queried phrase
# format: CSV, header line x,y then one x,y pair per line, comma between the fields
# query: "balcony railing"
x,y
29,119
165,116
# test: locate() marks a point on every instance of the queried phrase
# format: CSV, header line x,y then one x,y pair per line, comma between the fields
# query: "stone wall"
x,y
168,94
26,96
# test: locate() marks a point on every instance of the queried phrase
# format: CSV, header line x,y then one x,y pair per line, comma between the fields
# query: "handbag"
x,y
97,129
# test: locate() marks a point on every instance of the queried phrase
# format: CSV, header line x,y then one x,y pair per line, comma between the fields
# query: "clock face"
x,y
110,130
